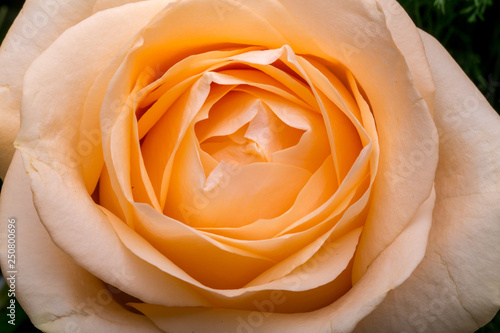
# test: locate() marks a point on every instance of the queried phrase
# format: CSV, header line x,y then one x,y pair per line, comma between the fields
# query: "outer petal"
x,y
106,4
57,294
36,27
406,36
456,288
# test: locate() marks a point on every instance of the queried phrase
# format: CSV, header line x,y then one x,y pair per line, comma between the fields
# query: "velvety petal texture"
x,y
241,166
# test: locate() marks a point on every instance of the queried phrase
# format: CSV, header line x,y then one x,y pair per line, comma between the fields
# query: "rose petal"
x,y
56,293
38,24
230,196
57,183
320,187
456,288
62,58
389,112
229,297
176,80
157,157
107,4
320,281
388,270
410,44
221,266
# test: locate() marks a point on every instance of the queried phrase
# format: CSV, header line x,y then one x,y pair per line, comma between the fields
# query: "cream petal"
x,y
9,128
52,66
41,21
107,4
456,288
55,292
407,39
79,226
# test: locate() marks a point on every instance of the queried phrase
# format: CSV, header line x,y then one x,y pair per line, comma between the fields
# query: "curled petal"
x,y
456,288
56,293
387,271
40,21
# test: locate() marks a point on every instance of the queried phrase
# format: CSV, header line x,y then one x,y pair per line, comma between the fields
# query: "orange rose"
x,y
245,166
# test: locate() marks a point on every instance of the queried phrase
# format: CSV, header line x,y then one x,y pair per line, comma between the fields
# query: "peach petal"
x,y
315,281
399,111
145,250
142,188
156,156
388,270
222,266
320,187
368,123
312,149
195,99
315,225
324,212
228,115
54,177
97,247
230,195
176,78
270,133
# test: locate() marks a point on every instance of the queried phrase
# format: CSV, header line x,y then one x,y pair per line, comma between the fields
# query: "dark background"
x,y
470,31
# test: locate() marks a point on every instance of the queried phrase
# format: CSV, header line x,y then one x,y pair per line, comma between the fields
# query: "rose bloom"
x,y
251,166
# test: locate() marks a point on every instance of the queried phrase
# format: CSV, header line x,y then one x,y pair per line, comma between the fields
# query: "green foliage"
x,y
476,10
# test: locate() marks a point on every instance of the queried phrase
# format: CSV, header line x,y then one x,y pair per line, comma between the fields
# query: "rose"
x,y
356,79
60,295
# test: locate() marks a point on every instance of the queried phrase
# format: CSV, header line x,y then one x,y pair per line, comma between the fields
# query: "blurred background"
x,y
470,31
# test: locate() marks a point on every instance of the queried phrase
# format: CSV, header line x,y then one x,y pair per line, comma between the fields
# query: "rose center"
x,y
242,129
